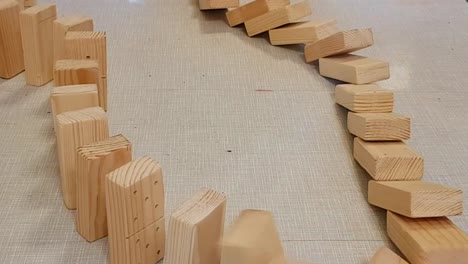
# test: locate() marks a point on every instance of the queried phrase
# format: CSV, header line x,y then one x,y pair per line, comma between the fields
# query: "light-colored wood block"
x,y
379,126
38,43
354,69
94,162
75,129
68,23
196,228
252,10
339,43
416,199
428,240
29,3
252,239
217,4
303,32
277,17
11,49
389,161
385,256
368,98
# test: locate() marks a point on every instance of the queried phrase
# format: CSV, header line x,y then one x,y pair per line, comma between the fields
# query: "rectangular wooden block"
x,y
379,126
385,256
339,43
277,17
368,98
68,23
217,4
354,69
389,161
303,32
94,162
428,240
252,10
11,51
38,44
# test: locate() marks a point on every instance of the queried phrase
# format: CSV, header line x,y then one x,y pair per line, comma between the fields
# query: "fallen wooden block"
x,y
379,126
252,10
339,43
196,228
252,239
428,240
385,256
94,162
303,32
11,52
38,44
74,129
277,17
217,4
354,69
368,98
69,23
29,3
135,212
389,161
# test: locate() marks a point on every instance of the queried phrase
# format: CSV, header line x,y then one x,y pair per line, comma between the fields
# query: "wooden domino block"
x,y
37,35
389,161
11,52
428,240
385,256
196,228
29,3
75,129
354,69
217,4
303,32
252,10
135,201
379,126
68,23
339,43
277,17
368,98
416,199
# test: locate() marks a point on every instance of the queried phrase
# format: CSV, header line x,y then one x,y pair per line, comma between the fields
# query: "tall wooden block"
x,y
68,23
277,17
303,32
379,126
252,10
389,161
75,129
354,69
135,201
416,199
368,98
217,4
94,162
11,51
37,35
196,228
428,240
339,43
385,256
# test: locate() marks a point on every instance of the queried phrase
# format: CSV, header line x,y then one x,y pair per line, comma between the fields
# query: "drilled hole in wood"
x,y
134,192
146,198
159,251
138,241
135,219
88,57
155,182
156,205
157,229
147,245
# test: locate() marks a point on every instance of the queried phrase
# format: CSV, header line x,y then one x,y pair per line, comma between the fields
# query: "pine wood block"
x,y
252,10
428,240
389,161
368,98
354,69
217,4
196,228
29,3
385,256
303,32
94,162
339,43
379,126
277,17
75,129
69,23
37,38
252,239
11,49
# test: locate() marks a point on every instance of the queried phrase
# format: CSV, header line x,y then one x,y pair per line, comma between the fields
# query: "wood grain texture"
x,y
11,47
252,10
303,32
379,126
217,4
368,98
68,23
385,256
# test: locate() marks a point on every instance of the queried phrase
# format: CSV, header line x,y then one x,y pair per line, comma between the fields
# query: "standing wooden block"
x,y
38,43
385,256
252,10
428,240
217,4
134,202
389,161
354,69
94,162
75,129
196,228
277,17
11,51
416,199
339,43
303,32
379,126
69,23
29,3
368,98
